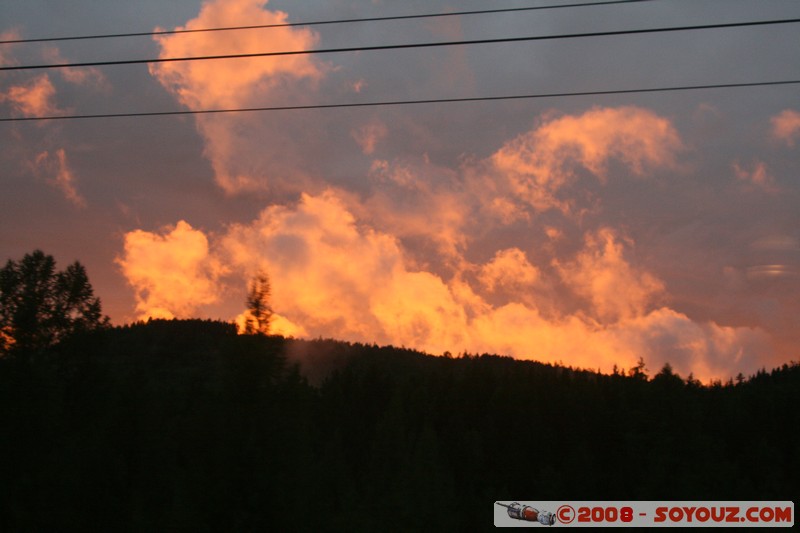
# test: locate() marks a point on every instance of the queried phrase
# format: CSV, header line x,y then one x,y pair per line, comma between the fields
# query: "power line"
x,y
407,102
407,45
318,22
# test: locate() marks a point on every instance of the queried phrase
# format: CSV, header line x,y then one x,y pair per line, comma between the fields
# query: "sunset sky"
x,y
585,230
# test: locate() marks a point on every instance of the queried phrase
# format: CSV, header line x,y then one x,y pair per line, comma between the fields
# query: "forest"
x,y
192,425
187,425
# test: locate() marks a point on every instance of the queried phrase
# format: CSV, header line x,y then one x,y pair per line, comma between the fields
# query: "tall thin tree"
x,y
259,310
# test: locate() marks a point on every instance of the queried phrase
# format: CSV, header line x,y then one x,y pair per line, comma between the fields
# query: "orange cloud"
x,y
87,76
509,271
34,98
63,177
757,178
173,274
417,200
326,270
244,150
786,126
600,273
232,83
335,276
537,164
369,135
396,263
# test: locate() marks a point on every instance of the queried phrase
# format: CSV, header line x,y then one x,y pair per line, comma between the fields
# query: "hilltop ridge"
x,y
187,425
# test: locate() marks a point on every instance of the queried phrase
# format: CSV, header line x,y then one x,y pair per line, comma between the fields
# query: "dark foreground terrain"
x,y
185,425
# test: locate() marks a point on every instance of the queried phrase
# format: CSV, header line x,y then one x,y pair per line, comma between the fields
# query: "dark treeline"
x,y
185,425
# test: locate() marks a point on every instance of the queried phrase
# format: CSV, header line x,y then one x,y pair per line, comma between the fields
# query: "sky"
x,y
585,230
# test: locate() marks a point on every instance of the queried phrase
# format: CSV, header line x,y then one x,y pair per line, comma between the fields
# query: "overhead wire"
x,y
406,102
641,31
319,22
390,47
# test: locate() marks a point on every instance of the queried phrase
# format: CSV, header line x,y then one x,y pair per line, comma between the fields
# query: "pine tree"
x,y
258,307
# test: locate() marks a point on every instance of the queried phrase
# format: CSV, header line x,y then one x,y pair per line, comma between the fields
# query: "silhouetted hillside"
x,y
186,425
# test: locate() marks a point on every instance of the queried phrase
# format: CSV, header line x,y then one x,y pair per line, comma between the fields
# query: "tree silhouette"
x,y
259,312
185,425
40,306
640,370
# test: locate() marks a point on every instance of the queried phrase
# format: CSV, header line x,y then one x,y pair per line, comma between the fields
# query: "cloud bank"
x,y
510,249
336,277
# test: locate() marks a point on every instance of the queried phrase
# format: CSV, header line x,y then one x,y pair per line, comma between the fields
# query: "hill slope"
x,y
186,425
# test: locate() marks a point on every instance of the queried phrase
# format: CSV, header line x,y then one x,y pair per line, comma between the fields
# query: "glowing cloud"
x,y
539,163
34,98
786,126
396,263
240,83
600,273
231,83
417,201
173,274
62,176
334,276
509,271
